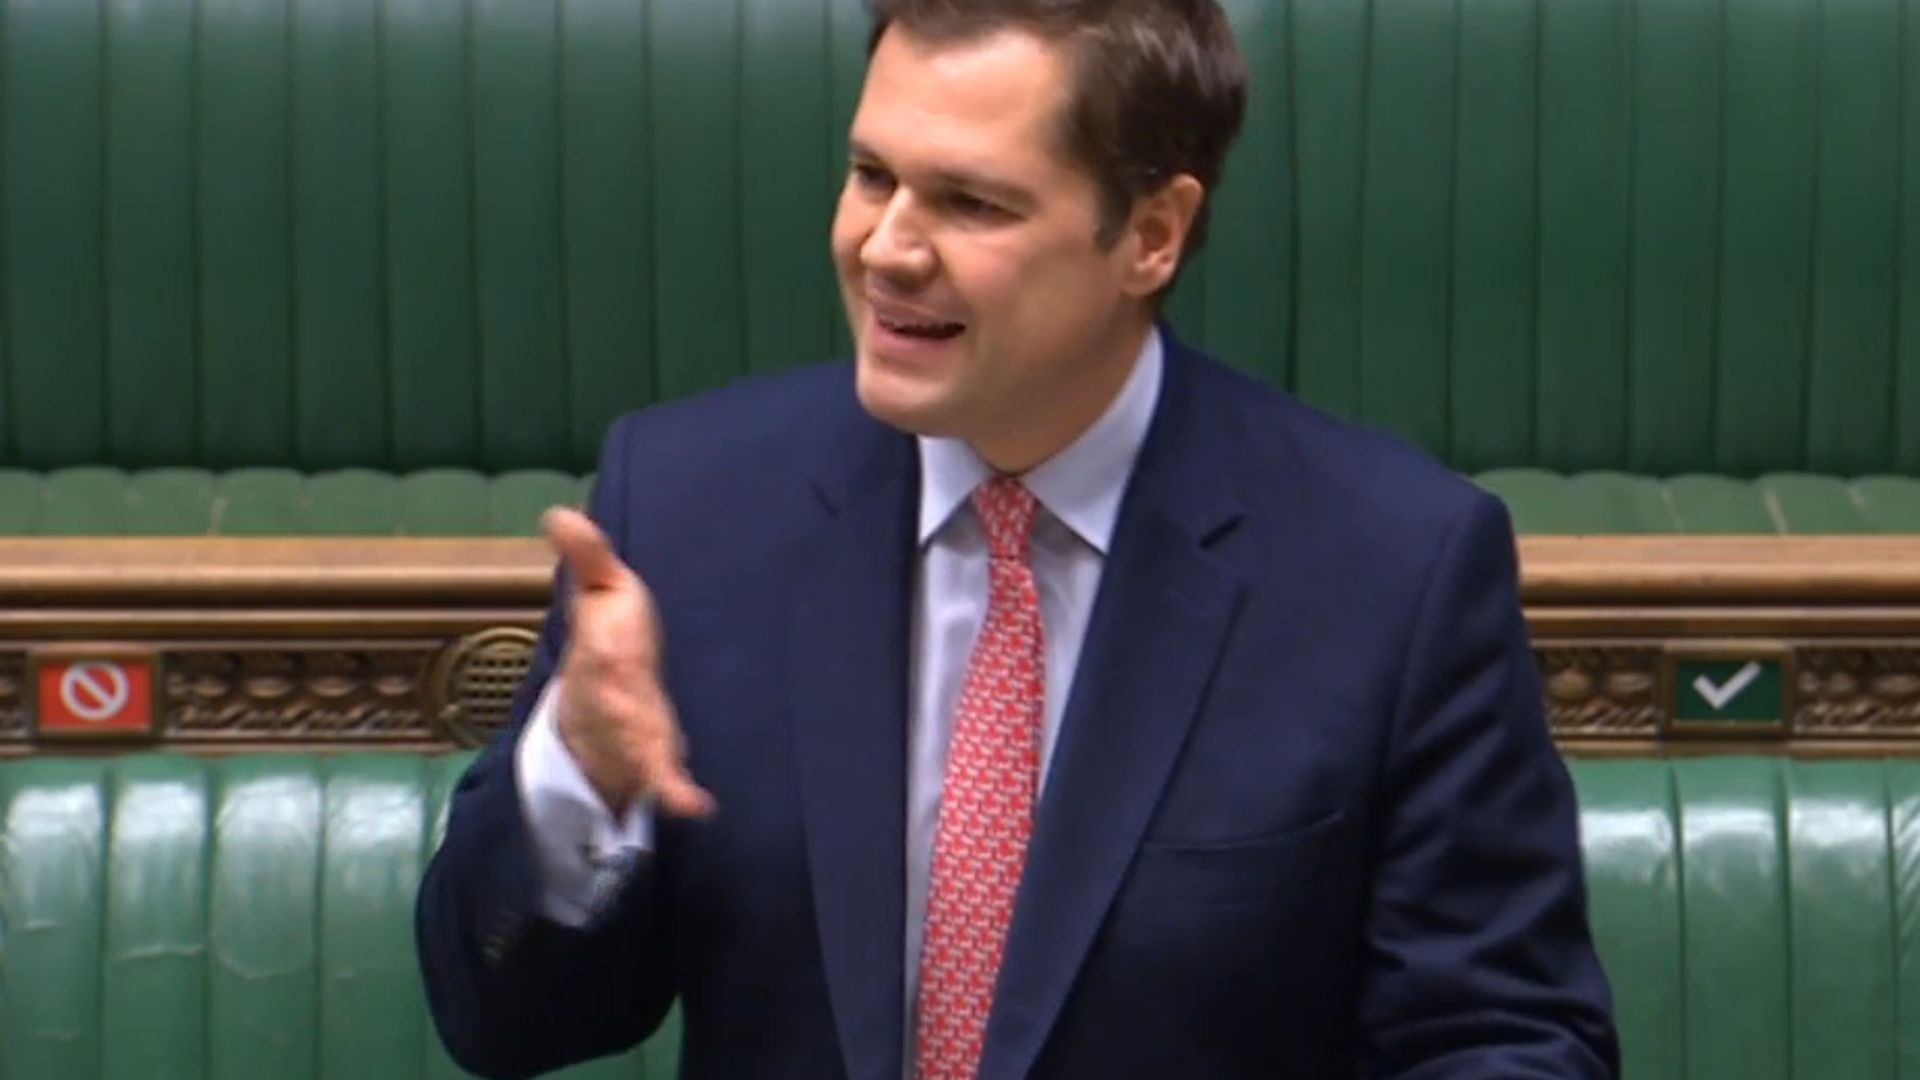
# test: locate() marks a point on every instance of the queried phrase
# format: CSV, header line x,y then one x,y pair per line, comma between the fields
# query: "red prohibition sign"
x,y
95,691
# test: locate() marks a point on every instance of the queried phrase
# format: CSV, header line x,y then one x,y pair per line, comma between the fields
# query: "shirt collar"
x,y
1081,485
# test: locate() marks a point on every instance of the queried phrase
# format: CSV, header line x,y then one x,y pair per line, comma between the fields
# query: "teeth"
x,y
914,328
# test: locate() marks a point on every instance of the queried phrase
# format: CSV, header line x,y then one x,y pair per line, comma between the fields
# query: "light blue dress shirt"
x,y
582,850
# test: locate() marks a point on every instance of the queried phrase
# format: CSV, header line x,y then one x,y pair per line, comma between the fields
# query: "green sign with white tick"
x,y
1729,691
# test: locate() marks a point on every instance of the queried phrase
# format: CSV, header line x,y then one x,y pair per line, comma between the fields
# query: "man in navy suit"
x,y
1034,696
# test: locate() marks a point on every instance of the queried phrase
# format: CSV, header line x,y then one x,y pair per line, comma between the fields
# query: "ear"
x,y
1156,235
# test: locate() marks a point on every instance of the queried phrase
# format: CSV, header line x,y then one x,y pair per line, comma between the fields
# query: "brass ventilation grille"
x,y
479,676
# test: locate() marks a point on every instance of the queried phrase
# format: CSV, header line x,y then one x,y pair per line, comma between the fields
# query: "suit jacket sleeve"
x,y
1479,957
512,992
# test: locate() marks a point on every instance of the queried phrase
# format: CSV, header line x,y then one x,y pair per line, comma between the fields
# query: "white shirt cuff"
x,y
583,853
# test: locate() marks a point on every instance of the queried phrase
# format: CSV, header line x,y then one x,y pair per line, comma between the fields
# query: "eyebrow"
x,y
1002,190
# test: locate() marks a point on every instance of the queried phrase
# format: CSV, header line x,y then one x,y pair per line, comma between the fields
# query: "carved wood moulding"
x,y
1713,645
244,693
305,694
1601,691
1861,690
1812,695
232,695
1643,645
13,696
210,645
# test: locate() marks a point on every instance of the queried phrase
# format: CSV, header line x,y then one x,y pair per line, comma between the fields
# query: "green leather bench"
x,y
1606,239
99,501
167,917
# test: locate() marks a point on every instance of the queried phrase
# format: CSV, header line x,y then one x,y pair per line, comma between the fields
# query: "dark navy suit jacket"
x,y
1304,819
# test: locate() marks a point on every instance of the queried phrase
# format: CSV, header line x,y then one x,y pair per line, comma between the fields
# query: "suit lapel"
x,y
1163,615
850,634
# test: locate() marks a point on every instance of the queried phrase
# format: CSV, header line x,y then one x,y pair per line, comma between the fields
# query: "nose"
x,y
898,247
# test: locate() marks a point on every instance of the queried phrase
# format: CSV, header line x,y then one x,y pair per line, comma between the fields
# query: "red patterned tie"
x,y
986,804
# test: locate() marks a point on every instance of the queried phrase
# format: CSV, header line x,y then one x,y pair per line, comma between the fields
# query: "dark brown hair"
x,y
1160,86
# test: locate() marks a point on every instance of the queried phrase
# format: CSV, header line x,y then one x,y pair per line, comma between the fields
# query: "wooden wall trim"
x,y
274,572
1701,569
1607,570
308,643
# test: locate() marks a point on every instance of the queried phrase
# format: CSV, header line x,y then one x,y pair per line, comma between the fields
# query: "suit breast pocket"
x,y
1254,870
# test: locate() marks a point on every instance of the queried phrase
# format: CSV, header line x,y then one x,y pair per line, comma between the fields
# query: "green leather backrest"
x,y
1656,236
166,917
1787,504
96,501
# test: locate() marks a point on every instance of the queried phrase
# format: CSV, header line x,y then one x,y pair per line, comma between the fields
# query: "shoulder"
x,y
1340,519
727,474
1299,459
756,433
749,416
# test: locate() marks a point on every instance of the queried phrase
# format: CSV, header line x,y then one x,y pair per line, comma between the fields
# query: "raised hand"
x,y
614,714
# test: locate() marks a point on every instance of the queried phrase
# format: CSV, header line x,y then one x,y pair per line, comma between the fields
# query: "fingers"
x,y
626,658
627,741
664,771
584,550
679,796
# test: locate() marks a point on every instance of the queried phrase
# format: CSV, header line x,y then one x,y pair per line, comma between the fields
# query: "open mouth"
x,y
923,331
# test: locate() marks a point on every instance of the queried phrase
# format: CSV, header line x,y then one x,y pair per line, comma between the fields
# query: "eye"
x,y
870,177
975,208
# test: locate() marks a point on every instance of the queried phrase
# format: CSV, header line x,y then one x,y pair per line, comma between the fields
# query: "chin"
x,y
918,406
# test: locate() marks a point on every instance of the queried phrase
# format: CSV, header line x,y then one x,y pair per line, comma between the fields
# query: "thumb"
x,y
583,548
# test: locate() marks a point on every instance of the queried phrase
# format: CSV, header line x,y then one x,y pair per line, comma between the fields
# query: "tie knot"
x,y
1006,510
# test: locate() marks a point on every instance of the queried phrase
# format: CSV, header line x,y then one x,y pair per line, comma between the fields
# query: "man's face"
x,y
982,305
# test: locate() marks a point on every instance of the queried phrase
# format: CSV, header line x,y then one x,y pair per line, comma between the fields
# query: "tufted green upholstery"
x,y
165,917
92,501
172,919
1758,916
1798,504
280,502
1650,236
